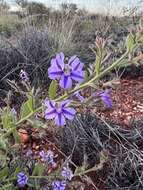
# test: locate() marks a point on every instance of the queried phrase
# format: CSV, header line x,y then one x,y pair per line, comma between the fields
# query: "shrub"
x,y
9,24
87,136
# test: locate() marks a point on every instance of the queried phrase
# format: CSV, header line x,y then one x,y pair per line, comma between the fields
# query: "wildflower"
x,y
47,157
59,185
106,98
29,153
14,113
24,76
66,73
59,111
22,179
67,173
81,98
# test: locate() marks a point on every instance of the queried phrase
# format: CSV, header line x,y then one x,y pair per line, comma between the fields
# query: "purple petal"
x,y
107,101
49,103
59,185
72,59
60,119
61,56
65,103
21,174
60,61
75,63
105,96
50,113
69,113
54,72
77,76
66,82
67,173
42,153
81,98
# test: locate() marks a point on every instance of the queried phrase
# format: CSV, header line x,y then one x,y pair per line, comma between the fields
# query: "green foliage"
x,y
53,89
34,8
130,42
4,173
9,24
7,119
28,106
3,144
38,170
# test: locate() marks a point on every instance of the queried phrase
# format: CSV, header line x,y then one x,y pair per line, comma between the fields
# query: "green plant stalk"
x,y
98,62
84,85
37,177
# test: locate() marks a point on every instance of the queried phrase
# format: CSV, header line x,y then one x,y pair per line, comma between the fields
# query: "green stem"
x,y
45,177
36,177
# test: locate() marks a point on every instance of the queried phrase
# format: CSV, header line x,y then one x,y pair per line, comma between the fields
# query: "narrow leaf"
x,y
53,89
27,107
130,42
38,170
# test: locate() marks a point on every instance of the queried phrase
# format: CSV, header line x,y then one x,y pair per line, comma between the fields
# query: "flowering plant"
x,y
66,92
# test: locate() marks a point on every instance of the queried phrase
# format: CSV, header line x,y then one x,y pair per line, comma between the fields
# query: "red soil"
x,y
127,103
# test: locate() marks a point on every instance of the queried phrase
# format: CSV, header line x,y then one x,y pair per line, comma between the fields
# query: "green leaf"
x,y
3,144
17,170
16,136
4,173
86,75
28,106
38,170
79,169
130,42
98,64
53,89
6,117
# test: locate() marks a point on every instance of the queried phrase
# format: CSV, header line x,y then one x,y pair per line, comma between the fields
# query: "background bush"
x,y
88,136
30,41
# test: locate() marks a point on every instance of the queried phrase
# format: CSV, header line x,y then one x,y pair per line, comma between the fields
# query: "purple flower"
x,y
59,111
66,73
67,173
81,98
59,185
24,76
22,179
105,96
29,153
47,157
14,113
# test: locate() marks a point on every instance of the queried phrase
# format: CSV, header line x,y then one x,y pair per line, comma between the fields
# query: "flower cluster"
x,y
24,76
59,185
14,113
67,173
66,73
47,157
79,96
22,179
59,111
